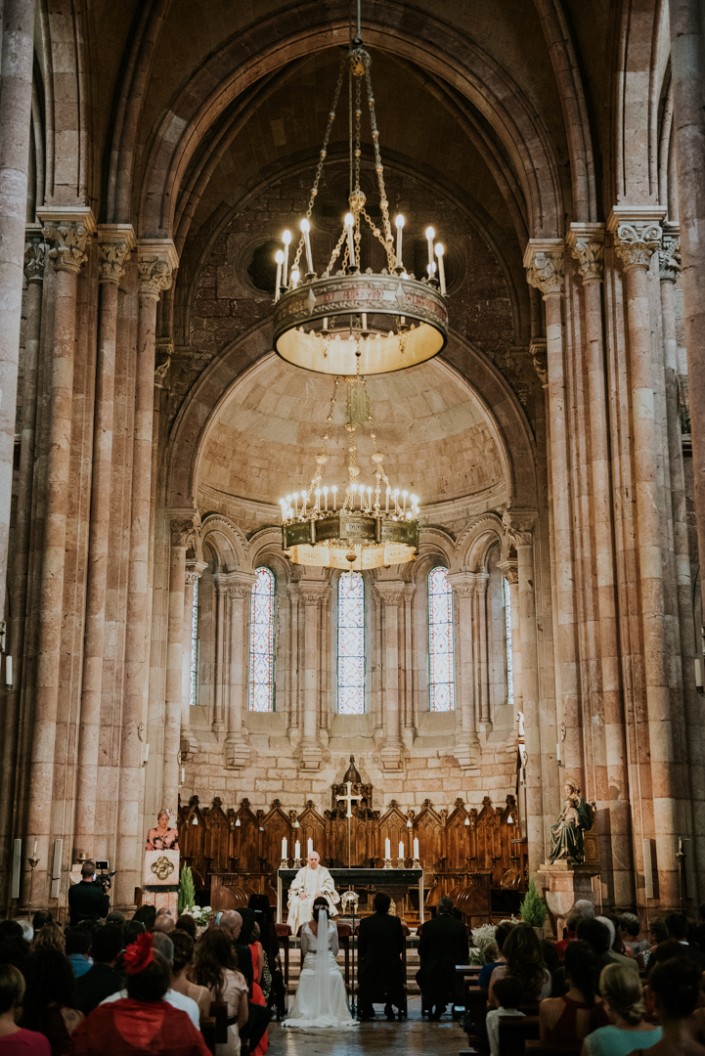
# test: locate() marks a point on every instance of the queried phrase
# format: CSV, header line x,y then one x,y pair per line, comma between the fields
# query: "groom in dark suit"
x,y
381,944
443,944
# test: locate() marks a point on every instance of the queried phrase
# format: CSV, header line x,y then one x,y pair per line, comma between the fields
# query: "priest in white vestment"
x,y
311,881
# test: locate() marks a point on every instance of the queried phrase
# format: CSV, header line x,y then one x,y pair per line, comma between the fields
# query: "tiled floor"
x,y
413,1037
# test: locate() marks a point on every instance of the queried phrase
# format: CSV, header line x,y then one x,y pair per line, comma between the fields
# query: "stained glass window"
x,y
351,644
260,695
508,641
193,674
441,664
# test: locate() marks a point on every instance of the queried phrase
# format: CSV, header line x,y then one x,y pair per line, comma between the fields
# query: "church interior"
x,y
162,646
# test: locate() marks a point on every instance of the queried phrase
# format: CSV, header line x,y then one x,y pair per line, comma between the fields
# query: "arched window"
x,y
260,696
351,644
441,665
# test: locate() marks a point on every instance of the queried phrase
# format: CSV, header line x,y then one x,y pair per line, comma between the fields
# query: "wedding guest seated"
x,y
215,967
500,937
623,1000
564,1021
507,993
569,932
657,933
14,1040
443,943
678,929
49,1004
78,945
597,934
186,923
524,962
673,987
163,945
183,958
102,979
629,928
142,1022
50,935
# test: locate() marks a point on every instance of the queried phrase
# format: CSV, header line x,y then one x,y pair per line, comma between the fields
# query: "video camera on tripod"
x,y
104,878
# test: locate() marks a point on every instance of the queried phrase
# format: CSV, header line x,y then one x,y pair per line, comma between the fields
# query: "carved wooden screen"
x,y
192,835
276,827
392,826
489,838
458,838
361,838
247,843
217,839
427,827
312,827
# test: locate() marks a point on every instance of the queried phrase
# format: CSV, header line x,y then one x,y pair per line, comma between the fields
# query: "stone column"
x,y
184,528
519,525
237,742
15,125
468,747
637,236
218,723
586,242
479,623
409,720
294,666
115,245
510,570
688,79
312,594
194,571
156,261
544,263
391,593
68,231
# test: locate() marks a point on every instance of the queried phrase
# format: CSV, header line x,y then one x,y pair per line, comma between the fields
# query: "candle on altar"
x,y
387,848
297,850
416,849
401,849
285,847
309,847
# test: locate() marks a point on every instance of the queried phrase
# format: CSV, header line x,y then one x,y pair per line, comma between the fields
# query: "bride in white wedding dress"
x,y
320,998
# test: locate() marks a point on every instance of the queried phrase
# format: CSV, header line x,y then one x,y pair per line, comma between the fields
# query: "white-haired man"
x,y
310,881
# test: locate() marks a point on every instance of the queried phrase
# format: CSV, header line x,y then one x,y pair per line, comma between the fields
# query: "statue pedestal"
x,y
563,884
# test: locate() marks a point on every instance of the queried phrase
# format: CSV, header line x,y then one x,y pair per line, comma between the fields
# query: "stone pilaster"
x,y
294,666
391,752
194,571
637,237
468,747
407,672
312,593
115,244
221,641
237,743
544,263
68,231
156,261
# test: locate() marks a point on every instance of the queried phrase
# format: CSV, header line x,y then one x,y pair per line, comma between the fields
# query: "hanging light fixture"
x,y
363,522
348,319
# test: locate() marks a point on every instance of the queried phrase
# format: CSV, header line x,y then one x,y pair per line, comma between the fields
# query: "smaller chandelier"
x,y
346,320
357,525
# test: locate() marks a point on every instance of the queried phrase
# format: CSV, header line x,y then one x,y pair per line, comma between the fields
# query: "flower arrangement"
x,y
201,914
481,939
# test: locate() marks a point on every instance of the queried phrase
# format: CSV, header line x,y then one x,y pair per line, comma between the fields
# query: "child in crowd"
x,y
507,992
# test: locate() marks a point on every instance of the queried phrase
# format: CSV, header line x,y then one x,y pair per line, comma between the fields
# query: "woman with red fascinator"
x,y
142,1022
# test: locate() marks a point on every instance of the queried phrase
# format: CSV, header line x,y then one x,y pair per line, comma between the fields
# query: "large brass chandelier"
x,y
348,319
360,524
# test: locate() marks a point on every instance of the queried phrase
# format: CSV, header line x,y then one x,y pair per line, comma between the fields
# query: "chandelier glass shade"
x,y
347,319
359,524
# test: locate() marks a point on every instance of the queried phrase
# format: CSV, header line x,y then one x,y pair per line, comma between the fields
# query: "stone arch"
x,y
480,536
441,50
227,542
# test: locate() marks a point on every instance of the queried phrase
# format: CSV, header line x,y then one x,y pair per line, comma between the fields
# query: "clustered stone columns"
x,y
68,232
194,571
637,237
510,570
586,243
545,271
238,586
312,594
156,261
115,244
16,58
468,750
391,594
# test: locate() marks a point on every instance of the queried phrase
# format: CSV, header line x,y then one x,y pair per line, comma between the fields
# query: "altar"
x,y
396,883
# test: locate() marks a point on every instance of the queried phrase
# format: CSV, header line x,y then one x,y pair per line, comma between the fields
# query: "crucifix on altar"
x,y
349,799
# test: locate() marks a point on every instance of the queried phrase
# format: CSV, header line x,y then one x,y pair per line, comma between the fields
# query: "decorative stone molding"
x,y
157,260
539,357
194,571
586,244
510,570
164,350
391,593
69,232
519,523
670,255
184,530
237,584
462,583
236,754
115,244
35,254
637,234
544,263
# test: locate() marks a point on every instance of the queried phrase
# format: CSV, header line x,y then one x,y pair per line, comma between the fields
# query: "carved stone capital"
x,y
390,591
184,530
544,263
539,357
586,244
510,570
670,255
68,232
35,254
194,571
157,260
636,233
115,244
461,583
518,524
236,584
313,591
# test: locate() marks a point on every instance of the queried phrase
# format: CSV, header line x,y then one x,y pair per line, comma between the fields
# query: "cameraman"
x,y
88,900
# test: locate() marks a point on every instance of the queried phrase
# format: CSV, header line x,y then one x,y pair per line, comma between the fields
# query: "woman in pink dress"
x,y
161,837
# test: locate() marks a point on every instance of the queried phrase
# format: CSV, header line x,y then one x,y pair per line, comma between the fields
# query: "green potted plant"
x,y
187,889
533,909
